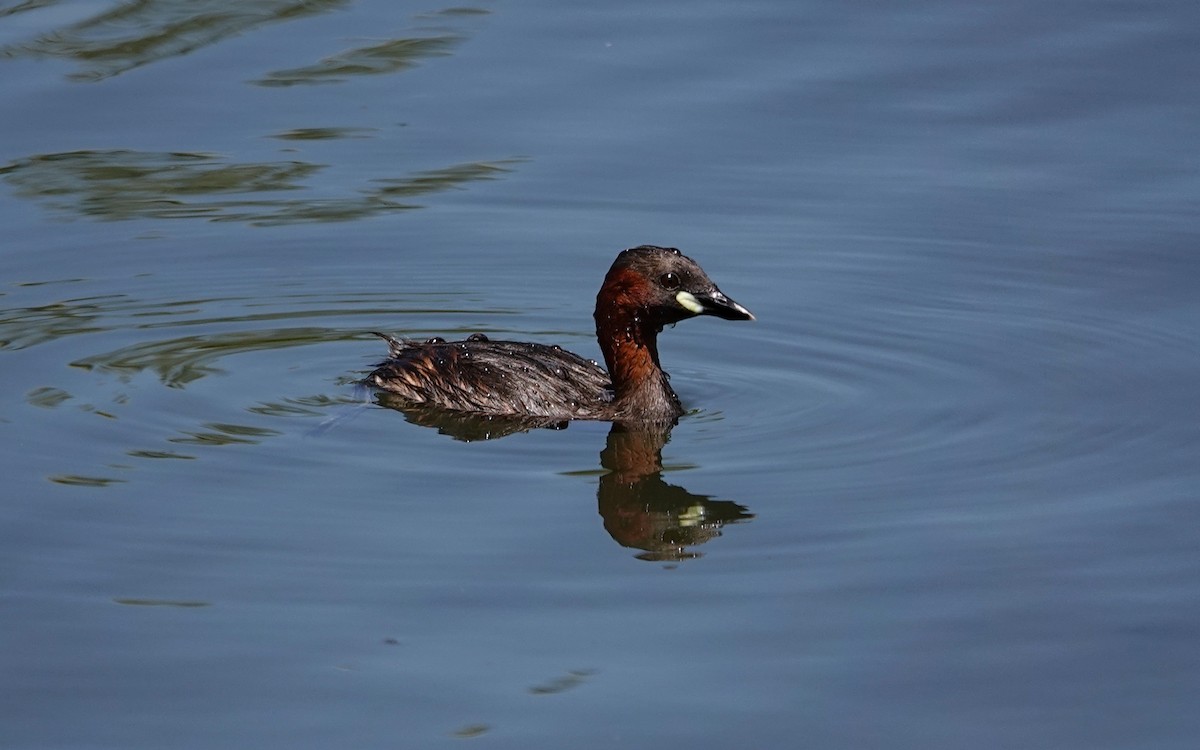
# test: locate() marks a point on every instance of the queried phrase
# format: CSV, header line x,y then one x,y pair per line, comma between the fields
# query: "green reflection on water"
x,y
182,360
226,434
125,184
76,480
186,604
48,397
159,454
323,134
303,406
388,57
27,5
140,32
470,730
436,180
27,326
573,678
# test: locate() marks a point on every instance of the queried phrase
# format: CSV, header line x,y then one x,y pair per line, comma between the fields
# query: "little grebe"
x,y
647,288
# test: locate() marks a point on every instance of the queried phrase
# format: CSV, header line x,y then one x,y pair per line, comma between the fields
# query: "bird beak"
x,y
713,302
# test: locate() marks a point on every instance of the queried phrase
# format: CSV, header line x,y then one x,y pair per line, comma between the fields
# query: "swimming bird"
x,y
647,288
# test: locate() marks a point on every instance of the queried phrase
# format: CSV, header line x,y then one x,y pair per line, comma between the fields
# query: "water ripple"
x,y
114,340
953,389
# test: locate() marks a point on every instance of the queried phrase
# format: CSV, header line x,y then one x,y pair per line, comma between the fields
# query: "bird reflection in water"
x,y
640,509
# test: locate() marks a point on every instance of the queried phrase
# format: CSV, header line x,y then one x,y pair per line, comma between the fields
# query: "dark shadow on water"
x,y
640,509
123,184
466,427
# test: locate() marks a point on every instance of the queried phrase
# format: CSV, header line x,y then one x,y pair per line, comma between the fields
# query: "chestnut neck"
x,y
628,335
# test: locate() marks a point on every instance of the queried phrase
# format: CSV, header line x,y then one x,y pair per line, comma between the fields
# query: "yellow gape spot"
x,y
686,300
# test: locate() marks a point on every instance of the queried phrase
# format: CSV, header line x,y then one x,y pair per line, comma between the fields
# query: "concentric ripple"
x,y
989,380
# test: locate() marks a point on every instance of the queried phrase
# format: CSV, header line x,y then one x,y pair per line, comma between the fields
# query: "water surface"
x,y
941,494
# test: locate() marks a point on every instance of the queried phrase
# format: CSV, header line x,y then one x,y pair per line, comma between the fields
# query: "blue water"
x,y
943,493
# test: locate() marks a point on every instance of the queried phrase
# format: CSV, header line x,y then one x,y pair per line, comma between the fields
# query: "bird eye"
x,y
669,281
